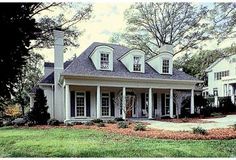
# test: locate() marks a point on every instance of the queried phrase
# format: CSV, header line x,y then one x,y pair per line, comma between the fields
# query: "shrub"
x,y
7,123
215,114
68,124
139,127
88,123
199,130
77,123
29,124
226,104
53,122
101,125
39,113
118,119
97,120
234,126
111,121
122,124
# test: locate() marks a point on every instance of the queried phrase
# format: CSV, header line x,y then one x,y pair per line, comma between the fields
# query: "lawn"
x,y
68,142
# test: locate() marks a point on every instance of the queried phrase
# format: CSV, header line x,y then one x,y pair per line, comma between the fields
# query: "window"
x,y
104,60
105,104
165,66
215,91
80,104
219,75
167,104
137,63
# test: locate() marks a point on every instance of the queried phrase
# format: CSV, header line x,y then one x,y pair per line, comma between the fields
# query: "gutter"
x,y
128,78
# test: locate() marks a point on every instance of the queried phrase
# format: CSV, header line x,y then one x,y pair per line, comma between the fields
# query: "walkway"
x,y
224,122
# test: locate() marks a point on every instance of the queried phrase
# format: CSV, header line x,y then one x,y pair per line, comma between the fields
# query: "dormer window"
x,y
165,65
104,60
137,63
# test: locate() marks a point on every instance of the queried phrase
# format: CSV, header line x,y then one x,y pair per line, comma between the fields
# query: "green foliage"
x,y
226,105
18,28
97,120
101,124
117,119
199,130
53,122
215,114
77,123
234,126
139,127
111,121
89,123
122,124
39,113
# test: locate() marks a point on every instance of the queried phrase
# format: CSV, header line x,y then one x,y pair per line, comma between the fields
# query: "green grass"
x,y
66,142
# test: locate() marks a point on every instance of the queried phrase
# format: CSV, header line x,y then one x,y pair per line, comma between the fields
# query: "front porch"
x,y
83,103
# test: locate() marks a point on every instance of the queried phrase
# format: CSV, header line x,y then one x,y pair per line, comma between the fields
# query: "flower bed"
x,y
226,133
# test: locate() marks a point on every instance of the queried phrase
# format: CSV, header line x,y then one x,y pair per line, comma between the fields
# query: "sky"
x,y
106,19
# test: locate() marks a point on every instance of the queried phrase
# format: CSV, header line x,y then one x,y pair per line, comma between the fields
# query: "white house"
x,y
88,86
221,79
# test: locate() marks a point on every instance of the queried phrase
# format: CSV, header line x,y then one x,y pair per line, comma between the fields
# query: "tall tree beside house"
x,y
17,29
153,24
70,15
184,25
39,114
29,78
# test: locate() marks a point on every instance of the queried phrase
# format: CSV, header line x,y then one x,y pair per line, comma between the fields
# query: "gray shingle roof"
x,y
50,78
83,65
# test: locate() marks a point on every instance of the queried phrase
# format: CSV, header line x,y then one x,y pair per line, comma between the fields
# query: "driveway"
x,y
224,122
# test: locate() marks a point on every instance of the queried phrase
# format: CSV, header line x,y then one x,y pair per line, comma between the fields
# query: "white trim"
x,y
85,107
129,78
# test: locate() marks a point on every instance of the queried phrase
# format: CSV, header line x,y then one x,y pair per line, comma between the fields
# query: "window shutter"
x,y
155,101
88,104
163,104
112,96
142,102
72,103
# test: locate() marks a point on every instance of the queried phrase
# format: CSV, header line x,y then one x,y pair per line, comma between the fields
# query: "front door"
x,y
130,99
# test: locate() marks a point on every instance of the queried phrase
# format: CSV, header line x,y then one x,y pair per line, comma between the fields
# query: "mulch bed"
x,y
226,133
187,120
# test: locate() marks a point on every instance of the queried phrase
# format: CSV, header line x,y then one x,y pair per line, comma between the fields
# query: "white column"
x,y
232,94
171,104
98,102
67,102
124,103
192,101
150,111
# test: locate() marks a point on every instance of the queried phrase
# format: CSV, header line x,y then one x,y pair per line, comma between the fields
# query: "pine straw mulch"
x,y
187,120
223,133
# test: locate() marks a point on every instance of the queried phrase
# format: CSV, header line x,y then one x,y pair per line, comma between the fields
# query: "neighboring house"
x,y
98,83
221,79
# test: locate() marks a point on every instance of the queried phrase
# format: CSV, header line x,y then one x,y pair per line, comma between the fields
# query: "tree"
x,y
39,114
196,64
29,78
183,25
178,99
222,21
46,22
153,24
17,29
130,100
